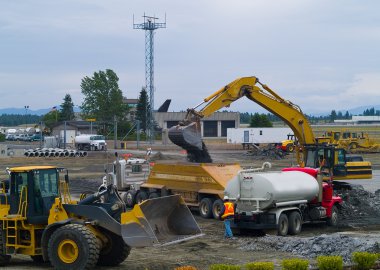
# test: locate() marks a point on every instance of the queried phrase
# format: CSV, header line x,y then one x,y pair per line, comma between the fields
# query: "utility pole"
x,y
149,25
115,132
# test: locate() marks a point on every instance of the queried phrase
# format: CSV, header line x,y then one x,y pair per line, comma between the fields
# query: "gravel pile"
x,y
311,247
360,207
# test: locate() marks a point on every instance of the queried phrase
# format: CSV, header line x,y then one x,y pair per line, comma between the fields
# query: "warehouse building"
x,y
214,126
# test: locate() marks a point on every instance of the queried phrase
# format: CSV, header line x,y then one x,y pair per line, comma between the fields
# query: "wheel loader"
x,y
40,219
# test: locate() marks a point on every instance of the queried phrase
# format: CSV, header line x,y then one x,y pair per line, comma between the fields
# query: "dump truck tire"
x,y
205,208
141,196
217,208
115,252
129,198
153,195
295,223
283,225
334,219
73,246
4,259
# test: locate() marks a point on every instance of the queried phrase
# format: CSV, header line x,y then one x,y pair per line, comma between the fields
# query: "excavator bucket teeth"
x,y
188,137
160,221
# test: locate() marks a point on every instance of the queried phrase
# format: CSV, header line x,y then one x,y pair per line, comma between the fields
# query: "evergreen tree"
x,y
347,115
67,109
142,109
333,116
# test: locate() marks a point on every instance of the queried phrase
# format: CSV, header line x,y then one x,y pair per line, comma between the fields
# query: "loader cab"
x,y
32,192
326,156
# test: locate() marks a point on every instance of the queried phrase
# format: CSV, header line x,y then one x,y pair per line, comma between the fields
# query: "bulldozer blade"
x,y
188,137
160,221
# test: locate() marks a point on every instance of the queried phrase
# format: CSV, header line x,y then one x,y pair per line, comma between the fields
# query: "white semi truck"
x,y
90,142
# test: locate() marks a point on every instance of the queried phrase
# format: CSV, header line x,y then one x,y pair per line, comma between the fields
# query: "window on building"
x,y
225,125
210,128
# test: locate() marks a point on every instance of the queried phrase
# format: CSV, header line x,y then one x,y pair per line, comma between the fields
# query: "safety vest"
x,y
228,209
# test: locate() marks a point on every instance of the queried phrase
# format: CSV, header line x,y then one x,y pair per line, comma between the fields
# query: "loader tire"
x,y
283,225
73,246
205,208
217,208
115,252
4,259
290,148
295,223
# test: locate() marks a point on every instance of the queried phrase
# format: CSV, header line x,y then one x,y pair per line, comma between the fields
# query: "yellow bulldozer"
x,y
39,218
350,141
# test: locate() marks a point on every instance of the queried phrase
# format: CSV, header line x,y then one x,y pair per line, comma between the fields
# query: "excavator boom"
x,y
188,133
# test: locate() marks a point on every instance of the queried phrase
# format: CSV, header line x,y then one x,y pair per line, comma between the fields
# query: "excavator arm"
x,y
188,134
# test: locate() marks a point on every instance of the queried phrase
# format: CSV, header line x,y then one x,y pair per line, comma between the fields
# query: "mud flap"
x,y
159,221
188,137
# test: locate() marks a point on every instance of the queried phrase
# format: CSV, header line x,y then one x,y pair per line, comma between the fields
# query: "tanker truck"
x,y
90,142
281,200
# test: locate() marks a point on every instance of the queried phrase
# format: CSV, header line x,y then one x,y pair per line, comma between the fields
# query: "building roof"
x,y
77,124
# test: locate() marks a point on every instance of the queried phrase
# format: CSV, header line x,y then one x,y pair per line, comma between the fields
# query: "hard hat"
x,y
225,198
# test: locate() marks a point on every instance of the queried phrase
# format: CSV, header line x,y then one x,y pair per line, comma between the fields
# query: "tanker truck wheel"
x,y
115,251
295,223
73,246
217,208
333,220
205,208
283,225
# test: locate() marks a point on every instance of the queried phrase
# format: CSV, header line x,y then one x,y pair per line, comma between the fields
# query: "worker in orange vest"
x,y
227,214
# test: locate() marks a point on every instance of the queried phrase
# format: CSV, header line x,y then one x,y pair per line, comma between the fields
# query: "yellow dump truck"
x,y
201,185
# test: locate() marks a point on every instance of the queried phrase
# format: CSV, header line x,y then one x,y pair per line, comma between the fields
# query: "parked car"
x,y
10,137
35,137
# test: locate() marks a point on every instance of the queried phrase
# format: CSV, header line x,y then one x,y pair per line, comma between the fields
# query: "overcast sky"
x,y
321,55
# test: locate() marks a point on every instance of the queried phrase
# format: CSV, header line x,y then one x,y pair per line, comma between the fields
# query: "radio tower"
x,y
149,25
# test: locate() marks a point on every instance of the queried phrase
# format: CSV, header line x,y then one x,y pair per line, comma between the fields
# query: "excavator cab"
x,y
327,157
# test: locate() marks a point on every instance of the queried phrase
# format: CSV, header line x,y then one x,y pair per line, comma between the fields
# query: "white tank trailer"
x,y
90,142
280,200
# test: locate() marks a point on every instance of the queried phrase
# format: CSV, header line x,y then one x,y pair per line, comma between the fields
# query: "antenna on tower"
x,y
150,24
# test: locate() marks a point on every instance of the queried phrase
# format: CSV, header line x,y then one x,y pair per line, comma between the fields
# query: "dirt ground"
x,y
86,174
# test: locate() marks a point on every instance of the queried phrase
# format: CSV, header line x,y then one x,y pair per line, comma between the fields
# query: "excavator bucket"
x,y
188,137
160,221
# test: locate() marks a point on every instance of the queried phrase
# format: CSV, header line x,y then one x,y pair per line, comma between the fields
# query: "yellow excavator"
x,y
310,153
40,219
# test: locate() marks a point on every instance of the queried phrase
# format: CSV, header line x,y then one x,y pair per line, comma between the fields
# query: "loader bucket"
x,y
188,137
160,221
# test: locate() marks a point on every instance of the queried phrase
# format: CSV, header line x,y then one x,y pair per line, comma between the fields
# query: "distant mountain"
x,y
361,109
21,111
